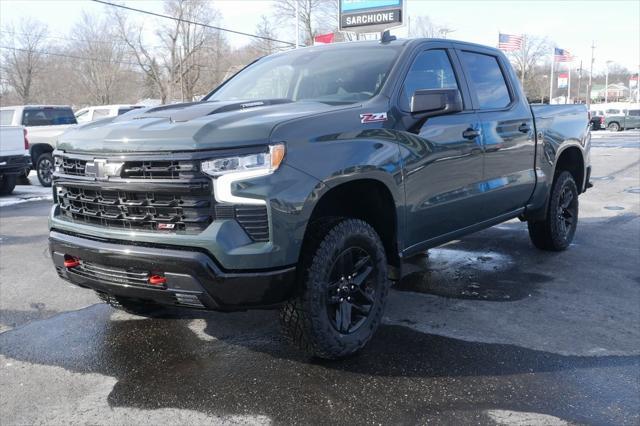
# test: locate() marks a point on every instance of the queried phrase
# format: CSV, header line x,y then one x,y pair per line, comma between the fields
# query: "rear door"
x,y
441,155
633,119
507,129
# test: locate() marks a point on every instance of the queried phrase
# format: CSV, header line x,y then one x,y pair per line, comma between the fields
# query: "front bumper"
x,y
193,279
14,164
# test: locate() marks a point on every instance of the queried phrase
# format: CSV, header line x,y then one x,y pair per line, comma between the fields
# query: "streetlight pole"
x,y
593,48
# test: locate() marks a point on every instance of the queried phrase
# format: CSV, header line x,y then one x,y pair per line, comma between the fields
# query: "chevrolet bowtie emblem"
x,y
101,169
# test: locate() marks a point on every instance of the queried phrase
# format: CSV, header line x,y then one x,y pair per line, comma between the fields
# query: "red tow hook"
x,y
70,261
157,280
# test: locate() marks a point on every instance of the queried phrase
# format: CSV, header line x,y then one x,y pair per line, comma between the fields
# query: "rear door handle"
x,y
470,134
524,128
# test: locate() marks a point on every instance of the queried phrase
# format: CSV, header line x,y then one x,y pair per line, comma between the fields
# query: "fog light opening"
x,y
157,280
70,261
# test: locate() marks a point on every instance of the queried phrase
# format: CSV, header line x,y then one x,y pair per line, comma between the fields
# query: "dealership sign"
x,y
369,16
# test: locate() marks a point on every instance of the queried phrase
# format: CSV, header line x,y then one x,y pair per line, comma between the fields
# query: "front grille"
x,y
150,195
73,167
152,211
111,274
158,170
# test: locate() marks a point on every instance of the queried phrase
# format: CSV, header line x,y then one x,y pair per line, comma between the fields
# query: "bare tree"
x,y
177,62
23,61
313,15
103,72
423,26
534,51
262,47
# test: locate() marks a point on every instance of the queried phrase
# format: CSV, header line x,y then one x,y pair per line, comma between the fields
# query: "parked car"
x,y
14,157
93,113
306,180
43,125
628,120
597,120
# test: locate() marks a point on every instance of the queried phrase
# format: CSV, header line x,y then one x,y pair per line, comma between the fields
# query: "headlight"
x,y
227,170
269,161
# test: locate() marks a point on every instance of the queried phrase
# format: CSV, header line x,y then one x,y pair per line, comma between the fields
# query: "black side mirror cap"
x,y
432,102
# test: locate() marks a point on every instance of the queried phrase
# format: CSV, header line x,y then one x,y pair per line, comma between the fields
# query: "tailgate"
x,y
11,141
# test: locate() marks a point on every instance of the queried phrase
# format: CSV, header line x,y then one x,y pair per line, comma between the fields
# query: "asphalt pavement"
x,y
486,330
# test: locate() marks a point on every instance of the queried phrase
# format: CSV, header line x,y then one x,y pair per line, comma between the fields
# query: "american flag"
x,y
509,42
562,55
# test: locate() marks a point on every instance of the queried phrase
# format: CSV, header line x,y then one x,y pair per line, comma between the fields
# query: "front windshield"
x,y
330,75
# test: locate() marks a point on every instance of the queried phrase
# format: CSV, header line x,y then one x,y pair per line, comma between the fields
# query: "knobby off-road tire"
x,y
7,184
556,232
342,290
142,309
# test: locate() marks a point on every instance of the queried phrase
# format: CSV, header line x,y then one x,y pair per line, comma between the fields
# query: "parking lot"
x,y
486,330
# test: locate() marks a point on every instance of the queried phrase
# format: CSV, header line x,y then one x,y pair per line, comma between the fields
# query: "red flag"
x,y
323,38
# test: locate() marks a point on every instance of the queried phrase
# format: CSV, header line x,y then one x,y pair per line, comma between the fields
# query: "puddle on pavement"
x,y
614,208
464,274
602,178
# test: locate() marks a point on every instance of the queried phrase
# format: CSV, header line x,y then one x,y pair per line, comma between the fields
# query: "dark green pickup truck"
x,y
306,180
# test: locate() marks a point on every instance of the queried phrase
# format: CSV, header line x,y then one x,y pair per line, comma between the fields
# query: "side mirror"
x,y
431,102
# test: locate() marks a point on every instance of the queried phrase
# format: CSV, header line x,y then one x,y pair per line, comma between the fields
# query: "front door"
x,y
442,156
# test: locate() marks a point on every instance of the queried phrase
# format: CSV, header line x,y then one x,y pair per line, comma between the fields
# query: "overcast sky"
x,y
613,25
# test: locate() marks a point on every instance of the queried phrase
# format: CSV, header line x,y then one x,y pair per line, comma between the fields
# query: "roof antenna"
x,y
386,37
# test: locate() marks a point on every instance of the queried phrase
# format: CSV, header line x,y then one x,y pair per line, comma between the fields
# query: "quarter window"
x,y
430,70
634,112
487,79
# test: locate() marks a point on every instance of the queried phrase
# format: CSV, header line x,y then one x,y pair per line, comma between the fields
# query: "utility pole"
x,y
593,48
579,80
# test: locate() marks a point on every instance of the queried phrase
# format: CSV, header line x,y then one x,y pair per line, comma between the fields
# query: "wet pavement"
x,y
484,330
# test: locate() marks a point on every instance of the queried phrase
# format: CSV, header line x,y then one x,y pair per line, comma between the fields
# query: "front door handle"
x,y
470,134
524,128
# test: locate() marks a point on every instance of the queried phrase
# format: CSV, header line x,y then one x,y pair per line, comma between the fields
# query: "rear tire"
x,y
7,184
44,169
614,127
556,232
343,290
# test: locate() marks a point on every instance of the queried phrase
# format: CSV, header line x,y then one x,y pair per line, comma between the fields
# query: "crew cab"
x,y
43,125
14,157
307,180
98,112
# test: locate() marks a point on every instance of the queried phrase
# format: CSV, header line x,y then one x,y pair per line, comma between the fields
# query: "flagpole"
x,y
568,84
524,56
553,59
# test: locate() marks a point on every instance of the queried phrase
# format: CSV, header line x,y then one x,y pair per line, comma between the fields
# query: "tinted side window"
x,y
634,112
47,116
6,117
430,70
487,79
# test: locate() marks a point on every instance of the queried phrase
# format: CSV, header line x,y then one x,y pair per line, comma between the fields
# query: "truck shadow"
x,y
238,364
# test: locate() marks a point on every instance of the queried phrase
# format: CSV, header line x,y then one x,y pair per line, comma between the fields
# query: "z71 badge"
x,y
373,117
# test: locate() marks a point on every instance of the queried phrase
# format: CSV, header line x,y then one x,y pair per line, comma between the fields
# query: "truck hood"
x,y
188,126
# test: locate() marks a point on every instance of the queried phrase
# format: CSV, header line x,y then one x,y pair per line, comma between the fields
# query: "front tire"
x,y
556,232
343,290
7,184
44,168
